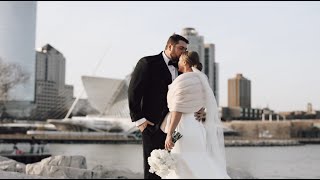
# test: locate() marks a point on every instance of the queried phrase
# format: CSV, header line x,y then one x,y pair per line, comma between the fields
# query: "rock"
x,y
65,161
73,167
98,168
62,172
239,174
116,173
7,164
3,158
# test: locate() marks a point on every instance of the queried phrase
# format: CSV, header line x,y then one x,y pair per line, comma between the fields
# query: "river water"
x,y
261,162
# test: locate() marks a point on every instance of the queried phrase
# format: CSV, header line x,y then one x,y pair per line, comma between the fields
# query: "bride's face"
x,y
183,65
180,65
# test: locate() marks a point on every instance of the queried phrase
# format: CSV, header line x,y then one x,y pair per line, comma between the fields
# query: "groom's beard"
x,y
174,57
175,60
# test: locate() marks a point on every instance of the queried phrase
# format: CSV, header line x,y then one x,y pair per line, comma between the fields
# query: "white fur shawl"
x,y
186,93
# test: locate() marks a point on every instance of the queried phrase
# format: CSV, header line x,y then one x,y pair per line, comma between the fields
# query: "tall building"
x,y
209,60
216,82
309,108
211,69
51,66
239,92
17,43
53,96
207,57
196,43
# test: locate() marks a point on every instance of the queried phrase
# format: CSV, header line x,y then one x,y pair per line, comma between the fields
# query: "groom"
x,y
147,95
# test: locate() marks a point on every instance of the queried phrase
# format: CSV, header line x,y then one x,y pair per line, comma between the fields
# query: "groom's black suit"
x,y
147,96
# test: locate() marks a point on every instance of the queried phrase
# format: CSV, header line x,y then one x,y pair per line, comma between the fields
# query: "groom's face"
x,y
177,50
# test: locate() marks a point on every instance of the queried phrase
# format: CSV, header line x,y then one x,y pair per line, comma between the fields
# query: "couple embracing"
x,y
167,93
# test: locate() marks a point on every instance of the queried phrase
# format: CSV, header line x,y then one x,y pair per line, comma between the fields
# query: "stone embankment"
x,y
60,167
74,167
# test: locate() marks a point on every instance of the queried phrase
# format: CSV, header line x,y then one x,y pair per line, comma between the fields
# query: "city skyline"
x,y
274,44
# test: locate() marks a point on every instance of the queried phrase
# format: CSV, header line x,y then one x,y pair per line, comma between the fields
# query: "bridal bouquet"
x,y
161,161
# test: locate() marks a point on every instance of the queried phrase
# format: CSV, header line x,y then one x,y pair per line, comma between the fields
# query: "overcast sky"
x,y
276,45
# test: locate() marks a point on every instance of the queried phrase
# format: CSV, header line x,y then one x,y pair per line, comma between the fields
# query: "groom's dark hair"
x,y
175,38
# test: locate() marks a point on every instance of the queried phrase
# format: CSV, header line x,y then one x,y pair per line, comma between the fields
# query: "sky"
x,y
276,45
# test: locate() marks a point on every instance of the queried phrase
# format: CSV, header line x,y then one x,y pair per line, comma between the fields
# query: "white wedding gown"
x,y
195,159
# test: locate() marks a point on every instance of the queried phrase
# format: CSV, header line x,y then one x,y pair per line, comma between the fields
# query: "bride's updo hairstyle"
x,y
192,58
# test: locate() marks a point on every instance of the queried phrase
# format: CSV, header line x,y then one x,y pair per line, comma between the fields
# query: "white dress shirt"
x,y
174,74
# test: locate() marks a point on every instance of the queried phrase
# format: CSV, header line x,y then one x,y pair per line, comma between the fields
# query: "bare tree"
x,y
11,75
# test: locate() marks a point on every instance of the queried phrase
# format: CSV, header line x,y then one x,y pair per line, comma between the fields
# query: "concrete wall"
x,y
272,130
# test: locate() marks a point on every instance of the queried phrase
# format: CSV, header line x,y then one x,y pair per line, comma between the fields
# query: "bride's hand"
x,y
168,143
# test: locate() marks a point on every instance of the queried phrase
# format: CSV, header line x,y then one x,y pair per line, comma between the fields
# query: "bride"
x,y
200,153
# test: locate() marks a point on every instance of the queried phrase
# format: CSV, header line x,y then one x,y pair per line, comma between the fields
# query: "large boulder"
x,y
111,173
3,158
7,164
65,161
73,167
239,174
62,172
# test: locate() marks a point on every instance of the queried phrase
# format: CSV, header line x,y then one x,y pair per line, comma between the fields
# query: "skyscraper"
x,y
196,43
211,69
239,92
207,57
17,43
53,96
209,60
216,81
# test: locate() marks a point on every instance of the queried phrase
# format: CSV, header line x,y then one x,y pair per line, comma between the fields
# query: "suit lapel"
x,y
164,68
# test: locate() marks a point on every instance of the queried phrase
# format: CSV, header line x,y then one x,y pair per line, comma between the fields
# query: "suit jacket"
x,y
147,93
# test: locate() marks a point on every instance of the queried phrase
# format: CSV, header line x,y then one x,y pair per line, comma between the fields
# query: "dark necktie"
x,y
172,63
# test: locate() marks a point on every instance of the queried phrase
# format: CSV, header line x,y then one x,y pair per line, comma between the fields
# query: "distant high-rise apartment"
x,y
239,92
207,57
211,69
53,96
17,43
216,81
309,108
196,43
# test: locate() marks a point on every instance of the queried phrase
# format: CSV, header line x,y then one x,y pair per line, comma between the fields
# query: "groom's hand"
x,y
200,115
144,125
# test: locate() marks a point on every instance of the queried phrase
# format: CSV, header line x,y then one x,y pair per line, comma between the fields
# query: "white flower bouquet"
x,y
161,161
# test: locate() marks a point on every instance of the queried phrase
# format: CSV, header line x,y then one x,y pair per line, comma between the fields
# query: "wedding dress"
x,y
200,153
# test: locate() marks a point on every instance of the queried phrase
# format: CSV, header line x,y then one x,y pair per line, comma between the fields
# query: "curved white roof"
x,y
101,91
107,95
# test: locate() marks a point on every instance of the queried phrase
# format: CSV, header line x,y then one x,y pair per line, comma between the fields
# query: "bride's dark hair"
x,y
192,59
